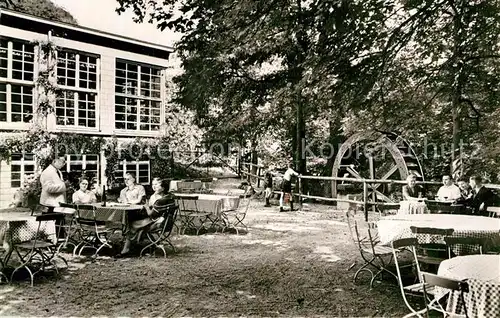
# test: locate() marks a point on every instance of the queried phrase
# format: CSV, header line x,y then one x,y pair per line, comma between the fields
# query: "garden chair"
x,y
493,211
430,250
67,225
189,214
471,244
159,233
234,219
38,255
373,253
92,233
431,280
398,247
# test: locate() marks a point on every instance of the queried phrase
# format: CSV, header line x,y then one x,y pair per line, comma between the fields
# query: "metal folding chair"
x,y
68,232
234,219
398,247
189,214
430,250
40,253
473,244
92,232
159,235
372,252
431,280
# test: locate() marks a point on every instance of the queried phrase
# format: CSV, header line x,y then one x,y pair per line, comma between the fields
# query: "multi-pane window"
x,y
4,59
23,60
141,169
21,103
77,75
79,163
20,167
16,81
137,97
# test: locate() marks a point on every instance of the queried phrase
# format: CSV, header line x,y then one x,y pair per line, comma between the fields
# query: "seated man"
x,y
133,193
481,196
448,192
412,191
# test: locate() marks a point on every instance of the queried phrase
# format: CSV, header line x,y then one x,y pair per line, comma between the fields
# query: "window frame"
x,y
79,91
84,162
22,171
141,102
9,81
123,168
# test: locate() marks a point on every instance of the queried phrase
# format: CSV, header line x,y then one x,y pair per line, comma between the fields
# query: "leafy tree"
x,y
40,8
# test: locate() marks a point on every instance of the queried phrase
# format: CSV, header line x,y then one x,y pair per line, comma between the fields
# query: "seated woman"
x,y
133,193
83,195
149,218
412,191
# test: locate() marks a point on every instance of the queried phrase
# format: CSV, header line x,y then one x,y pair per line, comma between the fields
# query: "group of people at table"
x,y
54,192
470,194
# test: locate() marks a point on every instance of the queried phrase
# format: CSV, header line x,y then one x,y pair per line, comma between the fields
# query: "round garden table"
x,y
482,273
395,227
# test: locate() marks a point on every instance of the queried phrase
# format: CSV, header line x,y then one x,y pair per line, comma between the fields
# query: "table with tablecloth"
x,y
18,225
179,185
412,207
112,212
482,273
210,203
395,227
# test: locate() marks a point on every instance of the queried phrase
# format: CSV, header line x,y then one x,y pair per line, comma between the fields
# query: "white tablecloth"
x,y
482,273
17,225
395,227
412,207
210,203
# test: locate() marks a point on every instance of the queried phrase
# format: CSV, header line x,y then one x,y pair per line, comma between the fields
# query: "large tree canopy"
x,y
427,69
40,8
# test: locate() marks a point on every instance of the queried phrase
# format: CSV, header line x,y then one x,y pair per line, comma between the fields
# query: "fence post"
x,y
300,191
249,178
258,178
365,199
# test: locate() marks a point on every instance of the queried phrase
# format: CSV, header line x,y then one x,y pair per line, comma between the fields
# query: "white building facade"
x,y
111,86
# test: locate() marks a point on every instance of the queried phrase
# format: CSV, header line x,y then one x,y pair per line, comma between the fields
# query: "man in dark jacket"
x,y
481,198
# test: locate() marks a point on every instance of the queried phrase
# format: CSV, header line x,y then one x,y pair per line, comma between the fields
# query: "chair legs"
x,y
381,267
157,243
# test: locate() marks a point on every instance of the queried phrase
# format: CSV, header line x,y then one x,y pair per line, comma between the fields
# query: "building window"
x,y
20,167
141,169
77,76
137,97
76,164
16,81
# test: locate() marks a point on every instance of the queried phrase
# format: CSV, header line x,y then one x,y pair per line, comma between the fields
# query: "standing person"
x,y
268,185
287,186
482,197
53,185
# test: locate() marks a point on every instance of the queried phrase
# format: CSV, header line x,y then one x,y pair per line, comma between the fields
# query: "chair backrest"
x,y
399,246
444,282
244,204
431,231
86,209
493,211
169,215
480,242
182,200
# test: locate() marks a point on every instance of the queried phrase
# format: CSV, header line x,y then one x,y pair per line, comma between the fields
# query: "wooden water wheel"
x,y
375,155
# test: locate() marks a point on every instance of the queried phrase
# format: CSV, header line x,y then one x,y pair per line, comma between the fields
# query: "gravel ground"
x,y
289,264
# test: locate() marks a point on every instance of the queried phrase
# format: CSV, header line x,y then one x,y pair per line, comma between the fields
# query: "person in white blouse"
x,y
83,195
448,192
